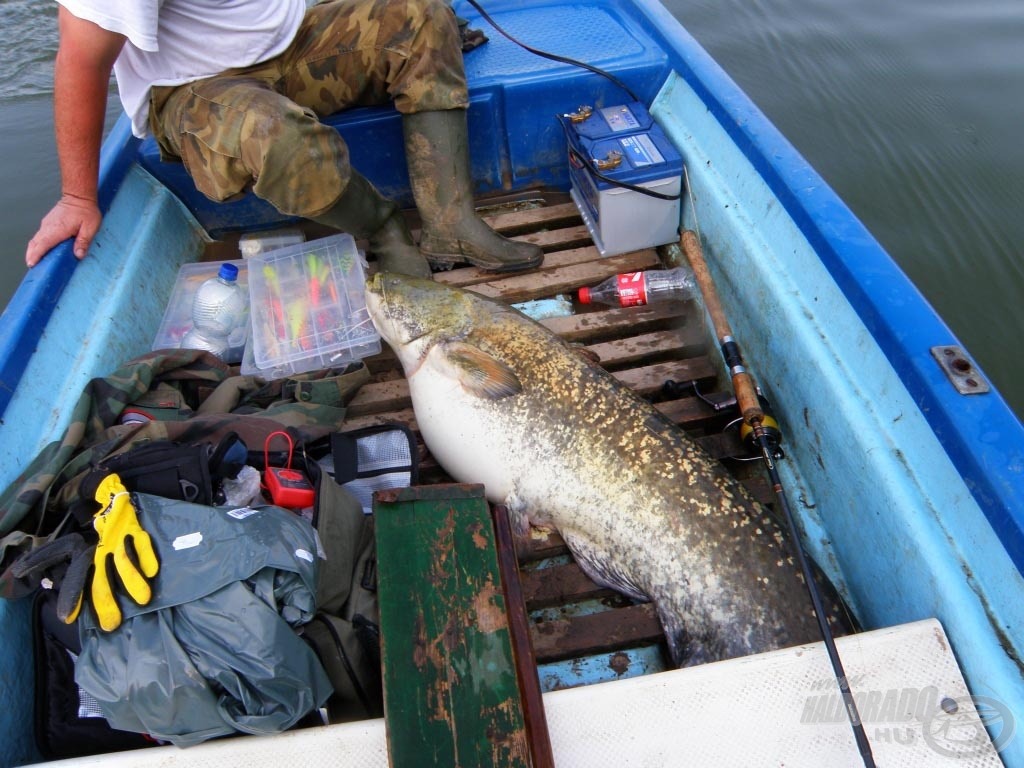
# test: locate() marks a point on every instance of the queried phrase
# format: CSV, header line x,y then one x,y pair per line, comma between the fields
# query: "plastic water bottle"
x,y
633,289
217,309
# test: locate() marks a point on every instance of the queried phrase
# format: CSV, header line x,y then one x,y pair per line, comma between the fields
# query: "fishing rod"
x,y
765,436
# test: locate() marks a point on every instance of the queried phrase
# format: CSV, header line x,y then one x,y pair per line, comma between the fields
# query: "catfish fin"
x,y
686,647
479,373
518,512
599,569
680,646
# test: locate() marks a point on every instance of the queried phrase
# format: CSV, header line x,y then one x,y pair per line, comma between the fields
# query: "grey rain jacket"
x,y
214,652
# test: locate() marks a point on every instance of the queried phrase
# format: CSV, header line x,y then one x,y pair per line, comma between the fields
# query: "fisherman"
x,y
235,90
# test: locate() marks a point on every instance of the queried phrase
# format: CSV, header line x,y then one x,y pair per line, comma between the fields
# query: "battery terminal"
x,y
583,112
612,160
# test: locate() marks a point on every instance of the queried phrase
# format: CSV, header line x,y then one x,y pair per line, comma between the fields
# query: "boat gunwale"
x,y
983,437
24,320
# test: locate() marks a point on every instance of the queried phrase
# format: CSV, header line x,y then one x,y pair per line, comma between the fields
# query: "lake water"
x,y
912,111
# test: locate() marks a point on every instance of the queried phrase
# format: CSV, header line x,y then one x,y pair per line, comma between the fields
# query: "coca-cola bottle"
x,y
631,289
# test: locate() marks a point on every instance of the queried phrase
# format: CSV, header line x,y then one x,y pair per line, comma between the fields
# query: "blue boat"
x,y
904,466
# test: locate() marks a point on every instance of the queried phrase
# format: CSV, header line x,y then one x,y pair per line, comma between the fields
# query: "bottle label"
x,y
632,289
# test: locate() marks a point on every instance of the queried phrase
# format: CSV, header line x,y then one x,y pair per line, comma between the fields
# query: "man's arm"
x,y
85,58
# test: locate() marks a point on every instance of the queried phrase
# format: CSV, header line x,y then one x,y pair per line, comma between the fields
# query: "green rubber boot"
x,y
437,153
365,213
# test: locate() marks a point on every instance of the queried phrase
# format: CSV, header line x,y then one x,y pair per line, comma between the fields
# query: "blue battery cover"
x,y
647,154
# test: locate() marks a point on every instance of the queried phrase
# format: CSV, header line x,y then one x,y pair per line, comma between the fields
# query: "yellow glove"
x,y
116,524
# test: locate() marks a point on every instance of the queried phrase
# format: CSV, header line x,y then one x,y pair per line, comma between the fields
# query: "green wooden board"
x,y
450,691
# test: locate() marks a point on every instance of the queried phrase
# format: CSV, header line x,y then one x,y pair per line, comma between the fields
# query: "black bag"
x,y
66,723
371,459
173,470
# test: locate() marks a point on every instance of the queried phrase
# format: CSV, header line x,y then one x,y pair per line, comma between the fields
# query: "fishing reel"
x,y
769,427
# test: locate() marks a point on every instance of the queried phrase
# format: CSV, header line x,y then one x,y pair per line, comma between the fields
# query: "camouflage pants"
x,y
258,127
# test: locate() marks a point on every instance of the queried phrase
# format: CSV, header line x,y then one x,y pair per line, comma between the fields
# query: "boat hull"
x,y
907,491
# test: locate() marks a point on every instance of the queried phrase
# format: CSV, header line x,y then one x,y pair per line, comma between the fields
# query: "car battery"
x,y
623,145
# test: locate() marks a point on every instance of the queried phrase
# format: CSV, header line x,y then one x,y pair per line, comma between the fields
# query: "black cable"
x,y
554,56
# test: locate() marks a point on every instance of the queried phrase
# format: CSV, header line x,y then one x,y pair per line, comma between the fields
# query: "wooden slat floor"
x,y
642,346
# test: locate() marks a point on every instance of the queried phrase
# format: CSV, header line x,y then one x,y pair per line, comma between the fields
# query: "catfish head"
x,y
413,315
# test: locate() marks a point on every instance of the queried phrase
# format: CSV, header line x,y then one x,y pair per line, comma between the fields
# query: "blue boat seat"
x,y
503,79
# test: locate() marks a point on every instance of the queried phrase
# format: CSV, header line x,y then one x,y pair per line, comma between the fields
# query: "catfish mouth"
x,y
387,316
376,306
375,288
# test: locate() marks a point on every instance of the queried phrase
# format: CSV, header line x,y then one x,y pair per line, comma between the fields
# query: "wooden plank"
x,y
643,346
724,445
466,277
632,341
689,413
600,326
613,323
557,239
612,630
379,397
400,416
615,326
451,694
539,544
522,645
649,379
562,216
559,585
549,282
391,395
546,217
611,353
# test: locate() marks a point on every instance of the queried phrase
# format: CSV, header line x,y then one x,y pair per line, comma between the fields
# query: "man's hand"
x,y
71,217
81,79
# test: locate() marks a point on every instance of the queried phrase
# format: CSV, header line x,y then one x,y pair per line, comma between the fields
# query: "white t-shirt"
x,y
176,41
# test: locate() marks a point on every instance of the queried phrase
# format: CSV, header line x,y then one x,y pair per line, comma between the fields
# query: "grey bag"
x,y
345,632
346,470
215,651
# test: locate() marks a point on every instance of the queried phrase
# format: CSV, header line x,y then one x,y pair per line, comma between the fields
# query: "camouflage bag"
x,y
183,396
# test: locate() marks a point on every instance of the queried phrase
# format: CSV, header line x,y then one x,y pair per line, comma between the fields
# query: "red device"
x,y
287,487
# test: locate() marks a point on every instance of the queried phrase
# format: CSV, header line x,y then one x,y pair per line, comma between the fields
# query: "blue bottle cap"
x,y
228,272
